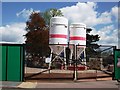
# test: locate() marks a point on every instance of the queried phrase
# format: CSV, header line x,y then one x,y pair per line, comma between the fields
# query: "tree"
x,y
91,45
35,22
37,42
37,36
48,14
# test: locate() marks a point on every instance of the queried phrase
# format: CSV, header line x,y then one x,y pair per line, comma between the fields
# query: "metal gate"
x,y
55,66
95,65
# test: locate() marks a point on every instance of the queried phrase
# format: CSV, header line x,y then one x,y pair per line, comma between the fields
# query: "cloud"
x,y
25,13
104,18
115,13
13,33
108,35
86,13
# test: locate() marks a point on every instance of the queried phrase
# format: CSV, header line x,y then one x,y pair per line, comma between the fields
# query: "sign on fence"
x,y
116,64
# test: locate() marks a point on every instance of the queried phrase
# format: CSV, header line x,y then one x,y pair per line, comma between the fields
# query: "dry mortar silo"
x,y
58,36
78,38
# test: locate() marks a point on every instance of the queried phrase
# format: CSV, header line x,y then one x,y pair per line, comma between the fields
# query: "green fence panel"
x,y
116,69
0,63
11,62
3,63
13,68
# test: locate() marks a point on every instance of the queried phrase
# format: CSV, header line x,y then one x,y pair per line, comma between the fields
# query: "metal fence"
x,y
80,64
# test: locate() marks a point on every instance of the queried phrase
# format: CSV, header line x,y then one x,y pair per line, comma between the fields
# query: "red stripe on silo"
x,y
58,36
77,38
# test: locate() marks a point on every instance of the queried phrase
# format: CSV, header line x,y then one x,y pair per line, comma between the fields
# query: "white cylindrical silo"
x,y
78,34
58,30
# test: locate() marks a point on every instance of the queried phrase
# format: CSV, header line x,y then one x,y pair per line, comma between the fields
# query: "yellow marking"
x,y
28,85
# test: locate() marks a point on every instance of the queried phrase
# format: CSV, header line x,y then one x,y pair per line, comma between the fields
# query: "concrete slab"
x,y
27,85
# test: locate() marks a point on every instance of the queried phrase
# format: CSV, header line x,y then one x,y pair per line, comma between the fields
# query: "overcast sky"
x,y
102,17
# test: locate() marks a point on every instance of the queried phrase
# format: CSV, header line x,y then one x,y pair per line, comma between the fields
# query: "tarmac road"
x,y
93,84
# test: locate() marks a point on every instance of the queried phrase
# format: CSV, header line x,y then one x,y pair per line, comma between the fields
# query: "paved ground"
x,y
37,70
36,73
9,84
66,84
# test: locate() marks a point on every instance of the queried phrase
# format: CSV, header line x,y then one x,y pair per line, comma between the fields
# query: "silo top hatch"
x,y
58,21
78,25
